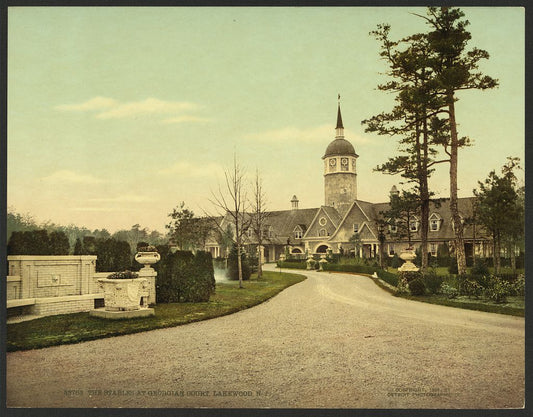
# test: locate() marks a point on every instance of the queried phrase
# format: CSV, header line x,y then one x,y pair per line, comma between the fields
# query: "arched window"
x,y
322,232
322,249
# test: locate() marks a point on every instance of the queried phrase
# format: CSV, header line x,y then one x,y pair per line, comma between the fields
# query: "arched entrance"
x,y
322,249
296,250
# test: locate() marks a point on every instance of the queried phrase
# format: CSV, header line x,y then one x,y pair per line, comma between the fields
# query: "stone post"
x,y
147,259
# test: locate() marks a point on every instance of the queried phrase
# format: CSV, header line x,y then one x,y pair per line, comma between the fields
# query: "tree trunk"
x,y
496,252
239,264
458,225
424,196
259,261
513,257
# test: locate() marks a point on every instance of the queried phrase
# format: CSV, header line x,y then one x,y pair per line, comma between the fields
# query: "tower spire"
x,y
340,128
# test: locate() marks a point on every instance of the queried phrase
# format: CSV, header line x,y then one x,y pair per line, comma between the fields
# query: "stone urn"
x,y
124,294
310,262
321,263
408,255
147,258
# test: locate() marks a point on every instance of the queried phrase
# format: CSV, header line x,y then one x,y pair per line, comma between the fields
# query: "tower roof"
x,y
340,146
339,118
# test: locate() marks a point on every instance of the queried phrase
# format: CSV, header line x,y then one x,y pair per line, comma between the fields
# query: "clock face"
x,y
344,161
333,162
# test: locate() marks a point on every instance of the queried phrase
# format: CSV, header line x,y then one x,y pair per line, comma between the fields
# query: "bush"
x,y
233,266
468,285
480,268
123,275
519,286
409,276
417,287
293,264
388,277
452,267
395,262
433,282
184,277
499,290
200,284
38,242
113,255
449,291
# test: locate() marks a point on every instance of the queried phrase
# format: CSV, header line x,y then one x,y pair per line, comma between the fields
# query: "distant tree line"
x,y
114,251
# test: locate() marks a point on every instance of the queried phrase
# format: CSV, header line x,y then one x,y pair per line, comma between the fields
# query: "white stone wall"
x,y
52,276
48,285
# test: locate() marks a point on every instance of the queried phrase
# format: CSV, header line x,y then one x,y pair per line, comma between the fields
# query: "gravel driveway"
x,y
334,340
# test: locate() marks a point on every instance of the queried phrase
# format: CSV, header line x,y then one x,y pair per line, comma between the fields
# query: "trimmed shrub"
x,y
292,264
433,282
386,276
417,287
200,284
38,242
233,266
113,255
184,277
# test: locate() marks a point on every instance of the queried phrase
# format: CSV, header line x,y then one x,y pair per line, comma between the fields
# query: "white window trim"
x,y
434,219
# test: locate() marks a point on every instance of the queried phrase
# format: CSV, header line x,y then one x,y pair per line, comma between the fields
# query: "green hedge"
x,y
363,269
292,264
184,277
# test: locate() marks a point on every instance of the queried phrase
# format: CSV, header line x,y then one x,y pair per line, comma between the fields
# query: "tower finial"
x,y
339,119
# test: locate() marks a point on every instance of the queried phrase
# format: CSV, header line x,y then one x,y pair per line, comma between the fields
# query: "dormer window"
x,y
434,222
322,232
392,227
298,232
413,225
270,231
250,232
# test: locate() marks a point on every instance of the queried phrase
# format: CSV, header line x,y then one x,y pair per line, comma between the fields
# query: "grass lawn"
x,y
513,307
79,327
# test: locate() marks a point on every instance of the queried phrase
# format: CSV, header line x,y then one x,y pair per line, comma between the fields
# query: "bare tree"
x,y
259,218
232,202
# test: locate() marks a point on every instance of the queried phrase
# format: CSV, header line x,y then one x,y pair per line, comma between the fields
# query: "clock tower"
x,y
340,175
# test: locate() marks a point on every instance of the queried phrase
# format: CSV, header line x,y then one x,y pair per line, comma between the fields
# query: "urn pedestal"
x,y
124,298
408,255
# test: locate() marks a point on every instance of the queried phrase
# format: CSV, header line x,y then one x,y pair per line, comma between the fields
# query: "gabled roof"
x,y
283,222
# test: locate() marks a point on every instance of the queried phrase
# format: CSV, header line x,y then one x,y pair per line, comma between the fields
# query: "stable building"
x,y
304,231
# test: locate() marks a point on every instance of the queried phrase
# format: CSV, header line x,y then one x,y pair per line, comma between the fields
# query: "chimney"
x,y
294,202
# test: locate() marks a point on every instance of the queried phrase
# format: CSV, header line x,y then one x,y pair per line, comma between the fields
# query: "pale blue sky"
x,y
115,115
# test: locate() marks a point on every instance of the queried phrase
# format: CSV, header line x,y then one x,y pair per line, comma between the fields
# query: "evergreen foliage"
x,y
38,242
233,269
184,277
